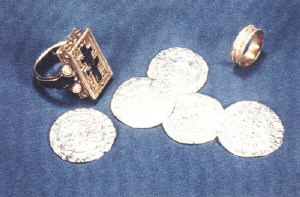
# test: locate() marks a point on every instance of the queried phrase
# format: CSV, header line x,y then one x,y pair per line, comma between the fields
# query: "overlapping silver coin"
x,y
82,135
195,119
142,102
182,69
251,129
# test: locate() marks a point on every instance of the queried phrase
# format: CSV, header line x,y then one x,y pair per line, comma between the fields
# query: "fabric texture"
x,y
146,162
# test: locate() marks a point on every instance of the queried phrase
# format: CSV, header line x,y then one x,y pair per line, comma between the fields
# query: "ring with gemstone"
x,y
84,69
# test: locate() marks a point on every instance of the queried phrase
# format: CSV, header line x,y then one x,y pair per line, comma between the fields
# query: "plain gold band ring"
x,y
247,46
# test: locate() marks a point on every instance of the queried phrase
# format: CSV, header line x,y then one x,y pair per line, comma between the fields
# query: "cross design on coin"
x,y
91,63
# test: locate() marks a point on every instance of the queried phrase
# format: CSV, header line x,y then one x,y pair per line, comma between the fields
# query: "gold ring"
x,y
247,46
84,70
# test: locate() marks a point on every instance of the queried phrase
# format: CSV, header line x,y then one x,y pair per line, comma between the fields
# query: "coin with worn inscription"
x,y
181,68
142,102
195,119
82,135
251,129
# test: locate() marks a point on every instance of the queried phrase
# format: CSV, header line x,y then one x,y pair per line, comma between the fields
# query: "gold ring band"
x,y
247,46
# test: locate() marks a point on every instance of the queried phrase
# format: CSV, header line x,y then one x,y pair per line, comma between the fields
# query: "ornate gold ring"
x,y
84,70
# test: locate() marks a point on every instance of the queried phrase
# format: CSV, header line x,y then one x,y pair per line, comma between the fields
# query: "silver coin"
x,y
195,119
82,135
251,129
142,102
180,68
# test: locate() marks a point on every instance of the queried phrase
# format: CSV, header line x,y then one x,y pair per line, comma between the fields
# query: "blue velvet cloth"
x,y
146,162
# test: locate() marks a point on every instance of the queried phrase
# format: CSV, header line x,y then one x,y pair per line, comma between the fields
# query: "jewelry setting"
x,y
85,70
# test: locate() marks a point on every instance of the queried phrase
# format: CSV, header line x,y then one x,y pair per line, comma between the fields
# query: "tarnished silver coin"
x,y
251,129
82,135
195,119
142,102
181,68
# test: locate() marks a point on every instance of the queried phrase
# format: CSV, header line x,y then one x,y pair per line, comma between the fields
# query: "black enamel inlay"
x,y
91,62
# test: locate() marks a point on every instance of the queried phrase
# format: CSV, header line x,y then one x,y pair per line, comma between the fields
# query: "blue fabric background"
x,y
147,162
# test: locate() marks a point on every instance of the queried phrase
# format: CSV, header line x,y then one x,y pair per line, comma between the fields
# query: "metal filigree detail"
x,y
83,54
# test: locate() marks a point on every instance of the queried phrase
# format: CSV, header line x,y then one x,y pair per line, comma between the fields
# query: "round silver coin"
x,y
82,135
251,129
142,102
181,68
195,119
